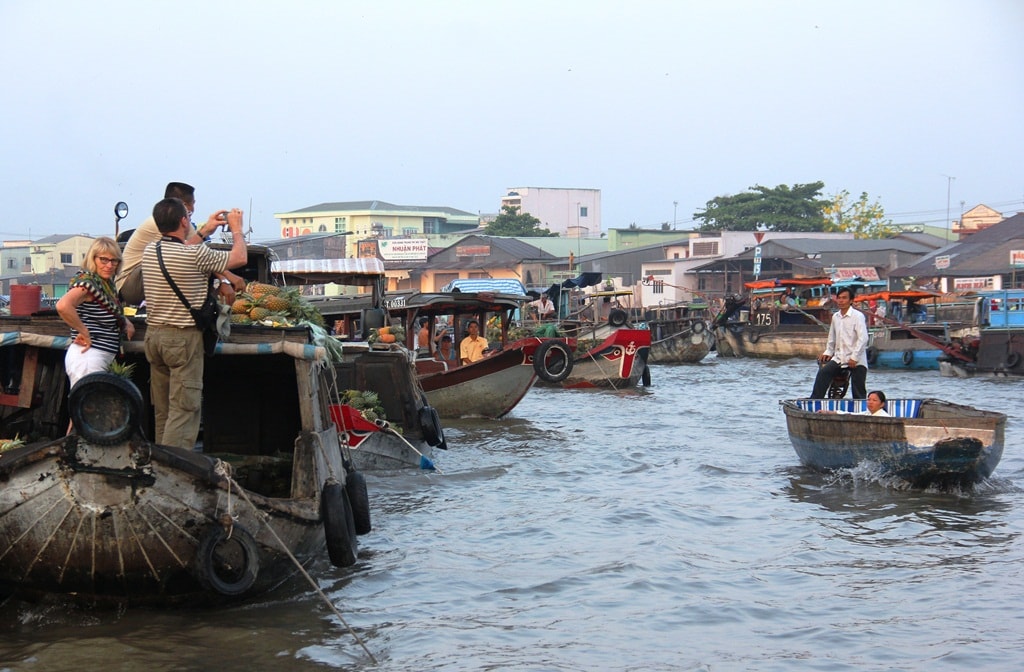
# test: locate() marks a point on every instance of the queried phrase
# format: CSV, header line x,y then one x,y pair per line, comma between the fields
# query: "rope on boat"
x,y
266,521
386,427
607,377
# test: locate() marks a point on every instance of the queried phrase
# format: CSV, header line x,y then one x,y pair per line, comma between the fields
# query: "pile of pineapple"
x,y
367,403
273,306
387,334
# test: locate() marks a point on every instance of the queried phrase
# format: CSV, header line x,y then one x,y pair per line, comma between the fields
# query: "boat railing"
x,y
896,408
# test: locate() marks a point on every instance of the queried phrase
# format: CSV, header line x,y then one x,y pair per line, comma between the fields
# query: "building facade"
x,y
573,213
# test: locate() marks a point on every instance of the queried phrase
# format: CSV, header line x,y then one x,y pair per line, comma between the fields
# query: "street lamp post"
x,y
949,224
675,206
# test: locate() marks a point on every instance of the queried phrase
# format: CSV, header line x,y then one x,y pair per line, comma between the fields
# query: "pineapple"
x,y
10,444
275,303
260,289
259,313
240,318
241,306
122,369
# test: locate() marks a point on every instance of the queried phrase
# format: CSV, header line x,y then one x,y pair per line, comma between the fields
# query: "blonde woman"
x,y
94,313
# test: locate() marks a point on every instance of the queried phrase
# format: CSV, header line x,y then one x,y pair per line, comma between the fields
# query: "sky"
x,y
661,104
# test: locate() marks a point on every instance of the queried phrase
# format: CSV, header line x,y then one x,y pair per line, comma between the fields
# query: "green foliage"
x,y
768,209
513,223
863,219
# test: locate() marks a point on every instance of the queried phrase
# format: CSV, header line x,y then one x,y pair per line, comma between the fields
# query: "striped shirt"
x,y
191,267
104,331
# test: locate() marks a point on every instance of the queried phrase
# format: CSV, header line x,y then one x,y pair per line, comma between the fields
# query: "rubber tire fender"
x,y
1012,360
430,425
358,501
617,317
754,335
698,327
96,386
908,357
540,364
339,525
872,355
210,566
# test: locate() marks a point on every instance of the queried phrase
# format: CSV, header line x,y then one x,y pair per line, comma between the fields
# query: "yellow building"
x,y
375,219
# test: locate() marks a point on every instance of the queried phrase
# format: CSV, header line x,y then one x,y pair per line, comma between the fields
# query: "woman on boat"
x,y
93,311
876,404
446,351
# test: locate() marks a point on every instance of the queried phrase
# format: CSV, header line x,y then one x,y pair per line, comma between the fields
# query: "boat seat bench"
x,y
897,408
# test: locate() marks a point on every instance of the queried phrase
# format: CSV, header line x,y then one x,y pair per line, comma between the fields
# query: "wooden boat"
x,y
617,362
412,428
104,514
924,442
765,325
922,331
998,349
679,334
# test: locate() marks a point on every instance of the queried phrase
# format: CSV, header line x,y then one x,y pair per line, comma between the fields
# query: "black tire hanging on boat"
x,y
228,560
698,327
359,501
560,366
339,526
617,317
430,425
645,377
1012,360
908,357
754,335
100,390
872,354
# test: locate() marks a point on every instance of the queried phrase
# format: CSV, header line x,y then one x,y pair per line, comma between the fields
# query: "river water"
x,y
668,528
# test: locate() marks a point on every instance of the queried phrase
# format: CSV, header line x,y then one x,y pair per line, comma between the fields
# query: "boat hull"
x,y
617,362
944,444
674,343
488,388
747,340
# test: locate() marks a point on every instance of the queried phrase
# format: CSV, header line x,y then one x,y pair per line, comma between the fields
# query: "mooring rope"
x,y
226,472
386,427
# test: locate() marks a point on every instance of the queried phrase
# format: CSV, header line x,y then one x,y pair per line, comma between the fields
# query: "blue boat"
x,y
922,441
998,350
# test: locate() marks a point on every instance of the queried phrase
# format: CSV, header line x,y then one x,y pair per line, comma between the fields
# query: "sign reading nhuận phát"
x,y
403,249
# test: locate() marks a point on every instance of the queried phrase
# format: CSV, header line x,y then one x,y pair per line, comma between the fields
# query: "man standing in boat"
x,y
847,346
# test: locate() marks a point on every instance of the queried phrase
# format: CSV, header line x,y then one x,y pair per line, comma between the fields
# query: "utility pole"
x,y
949,224
675,205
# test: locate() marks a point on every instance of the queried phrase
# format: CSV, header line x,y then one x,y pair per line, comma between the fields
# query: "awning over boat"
x,y
36,340
347,271
899,296
787,282
496,285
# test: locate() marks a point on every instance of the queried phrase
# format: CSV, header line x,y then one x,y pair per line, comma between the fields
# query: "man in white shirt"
x,y
847,346
544,307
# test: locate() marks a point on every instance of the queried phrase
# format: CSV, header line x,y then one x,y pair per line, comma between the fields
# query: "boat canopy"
x,y
898,296
496,285
361,271
787,282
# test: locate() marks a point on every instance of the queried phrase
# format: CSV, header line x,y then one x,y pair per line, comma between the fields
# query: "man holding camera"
x,y
129,279
174,346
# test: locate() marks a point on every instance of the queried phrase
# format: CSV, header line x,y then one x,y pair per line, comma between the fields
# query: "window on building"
x,y
27,262
11,263
387,231
431,225
583,211
705,249
66,257
322,228
408,231
658,287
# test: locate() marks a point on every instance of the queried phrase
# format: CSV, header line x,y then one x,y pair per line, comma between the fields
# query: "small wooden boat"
x,y
679,334
924,442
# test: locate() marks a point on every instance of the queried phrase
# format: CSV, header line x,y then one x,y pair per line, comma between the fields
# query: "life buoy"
x,y
617,317
552,361
430,425
339,526
872,354
1012,360
908,357
359,500
645,377
228,560
105,408
698,327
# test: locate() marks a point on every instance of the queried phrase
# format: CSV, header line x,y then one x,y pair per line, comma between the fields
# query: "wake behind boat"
x,y
924,442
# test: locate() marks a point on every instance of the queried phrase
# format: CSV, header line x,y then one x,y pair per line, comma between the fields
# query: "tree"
x,y
513,223
863,219
762,208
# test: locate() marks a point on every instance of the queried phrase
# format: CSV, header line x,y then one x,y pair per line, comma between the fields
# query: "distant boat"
x,y
679,333
924,442
998,349
918,329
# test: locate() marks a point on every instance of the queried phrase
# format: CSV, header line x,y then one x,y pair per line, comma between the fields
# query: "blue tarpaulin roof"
x,y
497,285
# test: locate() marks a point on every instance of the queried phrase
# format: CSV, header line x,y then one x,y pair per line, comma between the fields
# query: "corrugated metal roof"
x,y
984,253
